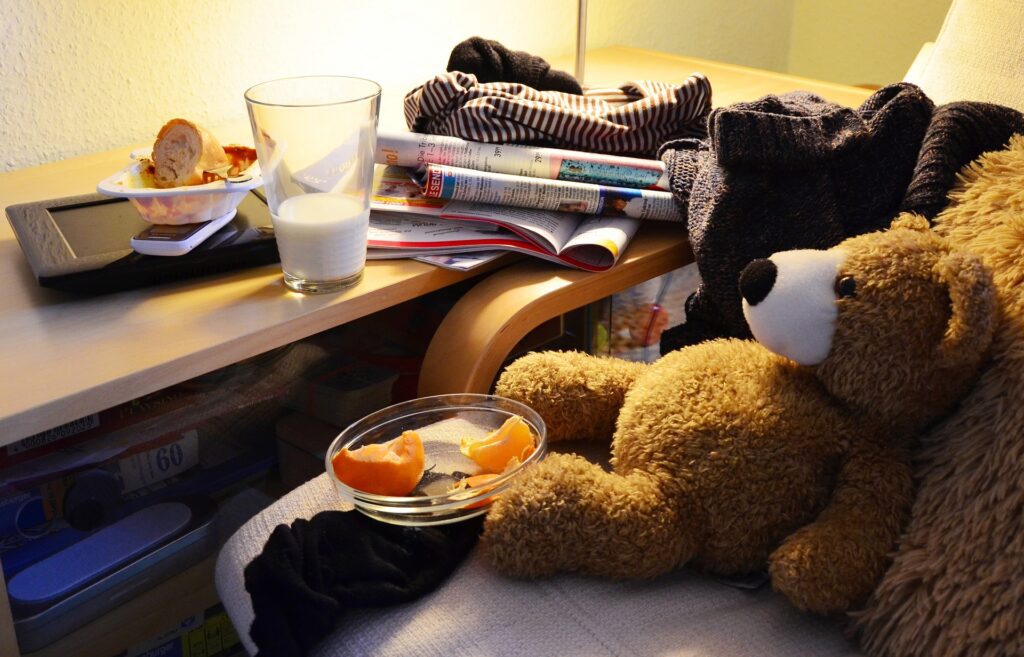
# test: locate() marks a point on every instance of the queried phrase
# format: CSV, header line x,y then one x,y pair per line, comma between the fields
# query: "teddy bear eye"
x,y
845,286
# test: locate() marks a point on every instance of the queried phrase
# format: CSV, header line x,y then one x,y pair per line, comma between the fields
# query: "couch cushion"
x,y
479,612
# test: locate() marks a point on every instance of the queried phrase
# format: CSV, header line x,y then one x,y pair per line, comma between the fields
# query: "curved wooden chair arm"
x,y
479,332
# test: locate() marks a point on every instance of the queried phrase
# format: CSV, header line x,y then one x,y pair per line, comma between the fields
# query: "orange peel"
x,y
476,481
390,468
493,452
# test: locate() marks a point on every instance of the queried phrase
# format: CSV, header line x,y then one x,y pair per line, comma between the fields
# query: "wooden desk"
x,y
730,83
64,357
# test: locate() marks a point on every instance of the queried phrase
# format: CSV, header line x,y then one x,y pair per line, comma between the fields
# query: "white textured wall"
x,y
749,32
862,41
89,75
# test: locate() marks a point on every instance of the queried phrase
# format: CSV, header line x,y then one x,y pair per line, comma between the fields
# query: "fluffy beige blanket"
x,y
956,585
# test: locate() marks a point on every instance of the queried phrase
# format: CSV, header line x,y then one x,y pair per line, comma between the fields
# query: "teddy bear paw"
x,y
823,574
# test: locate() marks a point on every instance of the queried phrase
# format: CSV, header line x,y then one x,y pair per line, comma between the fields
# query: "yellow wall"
x,y
750,32
849,41
861,41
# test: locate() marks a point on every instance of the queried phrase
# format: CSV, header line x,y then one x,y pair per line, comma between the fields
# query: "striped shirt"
x,y
634,119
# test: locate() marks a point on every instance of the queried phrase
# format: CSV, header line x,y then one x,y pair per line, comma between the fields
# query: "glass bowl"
x,y
441,422
179,205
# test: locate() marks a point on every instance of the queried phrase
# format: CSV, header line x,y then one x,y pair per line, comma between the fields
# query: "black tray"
x,y
81,244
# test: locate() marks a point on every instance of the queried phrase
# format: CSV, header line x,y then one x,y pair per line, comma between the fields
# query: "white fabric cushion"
x,y
978,55
479,612
917,68
303,502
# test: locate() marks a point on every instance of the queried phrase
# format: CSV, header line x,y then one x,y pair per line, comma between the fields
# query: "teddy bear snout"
x,y
757,279
789,302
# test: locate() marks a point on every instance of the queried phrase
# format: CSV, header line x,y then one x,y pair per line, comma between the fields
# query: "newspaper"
x,y
454,183
412,149
405,226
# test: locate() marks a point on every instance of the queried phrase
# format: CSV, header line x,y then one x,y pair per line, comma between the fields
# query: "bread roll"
x,y
183,152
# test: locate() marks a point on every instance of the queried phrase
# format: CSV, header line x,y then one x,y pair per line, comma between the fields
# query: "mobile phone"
x,y
178,239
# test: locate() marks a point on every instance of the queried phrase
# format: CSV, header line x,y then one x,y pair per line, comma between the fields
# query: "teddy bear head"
x,y
895,323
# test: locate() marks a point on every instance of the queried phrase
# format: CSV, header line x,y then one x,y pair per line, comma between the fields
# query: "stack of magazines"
x,y
458,203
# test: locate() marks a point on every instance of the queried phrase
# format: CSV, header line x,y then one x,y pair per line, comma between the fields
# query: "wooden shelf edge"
x,y
22,420
476,336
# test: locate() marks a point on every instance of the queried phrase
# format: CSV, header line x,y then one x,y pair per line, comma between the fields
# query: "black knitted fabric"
x,y
958,134
795,171
310,573
490,61
786,172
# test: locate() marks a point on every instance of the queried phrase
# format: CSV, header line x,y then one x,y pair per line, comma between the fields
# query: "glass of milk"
x,y
315,137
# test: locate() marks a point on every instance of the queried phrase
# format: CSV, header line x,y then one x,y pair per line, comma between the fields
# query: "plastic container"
x,y
463,414
37,626
179,205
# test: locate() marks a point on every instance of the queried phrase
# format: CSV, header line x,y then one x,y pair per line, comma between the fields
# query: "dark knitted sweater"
x,y
787,172
957,135
796,171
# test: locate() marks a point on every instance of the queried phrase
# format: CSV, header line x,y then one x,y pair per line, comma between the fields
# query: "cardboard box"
x,y
208,633
342,389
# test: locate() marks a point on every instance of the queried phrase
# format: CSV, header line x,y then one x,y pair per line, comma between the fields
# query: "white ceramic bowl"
x,y
431,502
179,205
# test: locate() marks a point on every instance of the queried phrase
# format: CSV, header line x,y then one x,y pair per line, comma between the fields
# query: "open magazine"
x,y
461,261
403,223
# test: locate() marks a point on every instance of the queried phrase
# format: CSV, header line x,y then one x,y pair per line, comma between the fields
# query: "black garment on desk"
x,y
796,171
310,573
490,61
786,172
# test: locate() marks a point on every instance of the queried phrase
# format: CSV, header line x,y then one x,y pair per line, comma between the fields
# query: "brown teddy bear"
x,y
731,454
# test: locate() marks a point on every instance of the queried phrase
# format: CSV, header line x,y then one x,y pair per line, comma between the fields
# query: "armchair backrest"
x,y
978,55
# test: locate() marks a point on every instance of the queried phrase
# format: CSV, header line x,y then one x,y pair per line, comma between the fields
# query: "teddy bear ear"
x,y
911,221
972,298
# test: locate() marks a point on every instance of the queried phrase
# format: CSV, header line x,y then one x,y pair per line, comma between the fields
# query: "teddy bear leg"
x,y
835,562
567,514
578,395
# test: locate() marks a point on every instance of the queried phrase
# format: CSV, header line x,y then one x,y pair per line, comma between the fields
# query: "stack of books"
x,y
458,203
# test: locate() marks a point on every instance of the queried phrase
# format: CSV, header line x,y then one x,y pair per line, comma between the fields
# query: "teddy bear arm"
x,y
568,514
578,395
836,561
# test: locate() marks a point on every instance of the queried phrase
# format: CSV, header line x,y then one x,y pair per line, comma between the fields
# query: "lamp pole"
x,y
581,38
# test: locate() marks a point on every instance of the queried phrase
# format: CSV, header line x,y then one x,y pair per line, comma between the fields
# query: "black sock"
x,y
309,574
490,61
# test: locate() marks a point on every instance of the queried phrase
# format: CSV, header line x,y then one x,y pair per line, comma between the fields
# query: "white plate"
x,y
179,205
